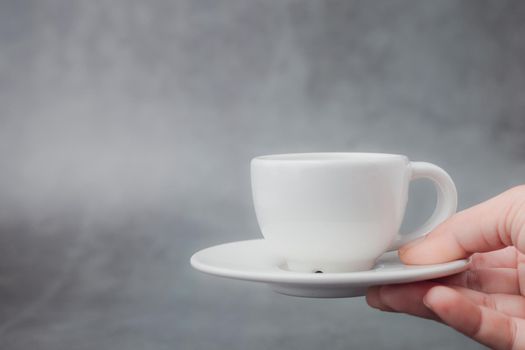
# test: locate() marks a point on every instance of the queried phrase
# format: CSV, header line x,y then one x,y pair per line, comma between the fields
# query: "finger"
x,y
492,225
374,300
486,280
407,298
506,257
521,271
511,305
487,326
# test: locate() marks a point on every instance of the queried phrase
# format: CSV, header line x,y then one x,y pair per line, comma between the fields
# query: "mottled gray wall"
x,y
126,130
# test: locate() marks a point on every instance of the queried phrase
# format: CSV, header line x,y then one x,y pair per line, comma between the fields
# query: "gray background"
x,y
126,130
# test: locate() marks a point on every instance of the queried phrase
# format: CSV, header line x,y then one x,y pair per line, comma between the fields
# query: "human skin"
x,y
486,302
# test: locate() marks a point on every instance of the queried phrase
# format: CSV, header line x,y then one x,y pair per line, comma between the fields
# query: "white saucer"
x,y
253,261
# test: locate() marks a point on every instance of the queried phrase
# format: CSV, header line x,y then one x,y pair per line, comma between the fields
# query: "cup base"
x,y
354,266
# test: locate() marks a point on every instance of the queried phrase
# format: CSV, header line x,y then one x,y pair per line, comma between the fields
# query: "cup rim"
x,y
329,157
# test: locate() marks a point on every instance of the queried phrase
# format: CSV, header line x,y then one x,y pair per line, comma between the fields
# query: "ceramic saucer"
x,y
253,261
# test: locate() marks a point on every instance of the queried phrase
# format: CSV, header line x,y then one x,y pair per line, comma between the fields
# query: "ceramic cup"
x,y
338,212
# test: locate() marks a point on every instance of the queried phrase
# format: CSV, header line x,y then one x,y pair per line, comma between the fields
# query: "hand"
x,y
486,302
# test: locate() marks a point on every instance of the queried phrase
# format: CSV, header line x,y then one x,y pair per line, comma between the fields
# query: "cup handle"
x,y
446,205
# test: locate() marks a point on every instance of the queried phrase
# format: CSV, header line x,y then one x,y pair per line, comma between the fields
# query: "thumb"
x,y
491,225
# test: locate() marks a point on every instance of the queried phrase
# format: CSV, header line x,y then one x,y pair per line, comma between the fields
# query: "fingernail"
x,y
372,297
426,303
433,294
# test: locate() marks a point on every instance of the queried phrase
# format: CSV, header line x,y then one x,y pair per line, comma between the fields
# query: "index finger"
x,y
491,225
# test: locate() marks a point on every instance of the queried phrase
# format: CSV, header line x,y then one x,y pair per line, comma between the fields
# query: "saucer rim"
x,y
374,276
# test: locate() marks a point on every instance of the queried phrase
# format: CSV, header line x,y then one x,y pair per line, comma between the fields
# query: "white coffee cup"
x,y
338,212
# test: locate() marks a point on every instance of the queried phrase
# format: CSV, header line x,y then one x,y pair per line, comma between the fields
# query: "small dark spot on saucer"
x,y
318,271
